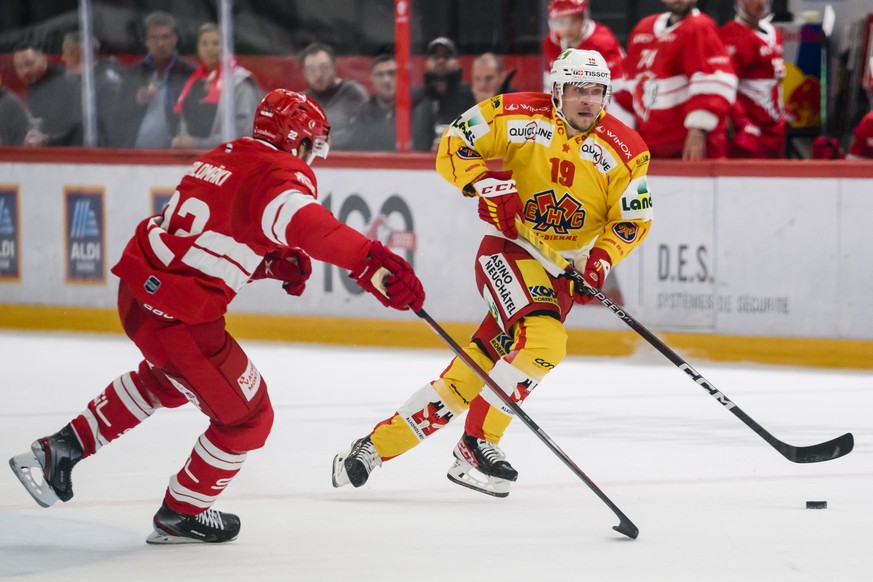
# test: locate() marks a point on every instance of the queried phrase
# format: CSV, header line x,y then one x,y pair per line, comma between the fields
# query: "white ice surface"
x,y
712,500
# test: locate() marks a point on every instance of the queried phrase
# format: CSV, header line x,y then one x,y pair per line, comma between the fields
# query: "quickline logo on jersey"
x,y
593,151
9,227
547,213
85,236
535,130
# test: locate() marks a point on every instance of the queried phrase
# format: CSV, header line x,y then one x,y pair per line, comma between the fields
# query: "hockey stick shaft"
x,y
625,525
825,451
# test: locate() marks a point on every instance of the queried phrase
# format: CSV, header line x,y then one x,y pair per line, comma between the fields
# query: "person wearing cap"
x,y
570,26
443,96
575,175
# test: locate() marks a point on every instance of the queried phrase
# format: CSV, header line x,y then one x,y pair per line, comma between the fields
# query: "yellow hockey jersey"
x,y
577,192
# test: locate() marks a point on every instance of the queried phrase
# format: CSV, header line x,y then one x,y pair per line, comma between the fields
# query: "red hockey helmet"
x,y
286,119
561,8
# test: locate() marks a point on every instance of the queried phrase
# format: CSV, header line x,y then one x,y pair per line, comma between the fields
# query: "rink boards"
x,y
743,260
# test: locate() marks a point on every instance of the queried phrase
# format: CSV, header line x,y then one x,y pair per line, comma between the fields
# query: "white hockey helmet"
x,y
577,67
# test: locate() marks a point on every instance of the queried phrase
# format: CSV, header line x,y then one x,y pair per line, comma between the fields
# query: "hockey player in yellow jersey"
x,y
577,177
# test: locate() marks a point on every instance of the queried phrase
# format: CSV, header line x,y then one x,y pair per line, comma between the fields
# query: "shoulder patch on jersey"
x,y
470,126
636,201
466,153
626,231
301,177
626,142
535,130
527,103
602,157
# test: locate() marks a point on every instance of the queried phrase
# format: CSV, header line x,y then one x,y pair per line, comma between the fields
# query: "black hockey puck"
x,y
816,504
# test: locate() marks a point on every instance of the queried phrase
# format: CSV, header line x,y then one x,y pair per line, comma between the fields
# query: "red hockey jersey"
x,y
758,114
680,77
595,37
237,203
862,142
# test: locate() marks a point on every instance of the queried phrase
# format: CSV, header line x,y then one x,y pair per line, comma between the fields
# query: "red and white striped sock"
x,y
205,475
119,408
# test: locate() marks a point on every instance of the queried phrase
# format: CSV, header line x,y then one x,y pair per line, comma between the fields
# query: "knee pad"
x,y
246,435
540,344
430,408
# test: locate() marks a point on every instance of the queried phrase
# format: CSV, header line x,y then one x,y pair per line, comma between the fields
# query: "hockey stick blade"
x,y
625,526
825,451
832,449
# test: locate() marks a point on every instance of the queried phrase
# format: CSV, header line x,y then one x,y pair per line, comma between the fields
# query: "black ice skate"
x,y
211,526
46,471
481,466
355,465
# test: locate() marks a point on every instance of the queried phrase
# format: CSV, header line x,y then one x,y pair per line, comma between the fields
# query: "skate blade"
x,y
29,471
161,538
339,477
466,475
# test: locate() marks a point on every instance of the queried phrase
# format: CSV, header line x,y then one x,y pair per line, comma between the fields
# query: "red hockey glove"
x,y
390,279
595,272
290,265
499,203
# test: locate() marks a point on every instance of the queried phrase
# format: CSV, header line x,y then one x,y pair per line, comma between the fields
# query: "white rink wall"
x,y
778,256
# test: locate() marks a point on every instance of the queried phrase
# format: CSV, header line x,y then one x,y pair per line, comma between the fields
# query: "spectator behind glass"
x,y
107,87
200,126
758,115
570,26
152,86
488,77
442,98
374,129
54,103
682,83
14,120
341,99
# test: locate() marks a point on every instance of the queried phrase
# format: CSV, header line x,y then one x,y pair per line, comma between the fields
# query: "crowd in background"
x,y
731,103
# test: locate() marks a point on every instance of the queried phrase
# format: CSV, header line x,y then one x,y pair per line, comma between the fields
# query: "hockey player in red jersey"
x,y
862,140
682,83
575,175
246,210
758,115
571,27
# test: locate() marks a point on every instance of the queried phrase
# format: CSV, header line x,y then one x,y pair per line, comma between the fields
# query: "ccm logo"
x,y
504,188
494,187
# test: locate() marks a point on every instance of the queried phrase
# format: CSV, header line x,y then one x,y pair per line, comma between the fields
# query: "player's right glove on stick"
x,y
594,272
499,203
390,279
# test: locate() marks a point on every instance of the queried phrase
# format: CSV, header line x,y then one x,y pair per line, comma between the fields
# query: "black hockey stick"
x,y
826,451
625,526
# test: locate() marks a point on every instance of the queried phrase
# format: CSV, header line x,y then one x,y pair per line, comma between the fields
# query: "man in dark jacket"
x,y
152,86
443,97
374,129
53,102
14,120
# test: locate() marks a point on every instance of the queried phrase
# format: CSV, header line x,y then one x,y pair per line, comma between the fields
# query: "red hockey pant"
x,y
199,363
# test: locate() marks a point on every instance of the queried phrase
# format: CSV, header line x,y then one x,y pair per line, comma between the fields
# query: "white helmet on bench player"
x,y
578,67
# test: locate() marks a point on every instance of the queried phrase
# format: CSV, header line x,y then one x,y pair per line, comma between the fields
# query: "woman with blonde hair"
x,y
198,104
